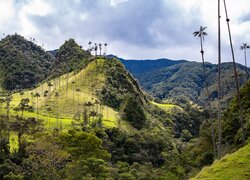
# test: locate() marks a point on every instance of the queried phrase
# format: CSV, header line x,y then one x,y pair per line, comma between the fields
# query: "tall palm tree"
x,y
245,47
37,95
105,49
235,76
89,45
67,84
50,85
73,85
78,102
95,48
219,81
57,108
201,34
100,48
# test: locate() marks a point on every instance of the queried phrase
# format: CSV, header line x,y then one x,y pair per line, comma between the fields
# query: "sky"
x,y
133,29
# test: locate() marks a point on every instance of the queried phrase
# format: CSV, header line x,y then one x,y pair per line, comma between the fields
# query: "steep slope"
x,y
232,166
231,128
184,82
22,63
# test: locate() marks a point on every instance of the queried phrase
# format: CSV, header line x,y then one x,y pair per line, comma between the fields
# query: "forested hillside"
x,y
22,63
233,165
138,67
180,83
91,121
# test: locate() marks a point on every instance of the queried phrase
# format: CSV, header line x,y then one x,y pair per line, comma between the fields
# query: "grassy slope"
x,y
232,166
169,108
88,81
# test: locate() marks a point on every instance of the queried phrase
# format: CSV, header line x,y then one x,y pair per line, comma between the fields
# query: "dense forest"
x,y
86,117
183,82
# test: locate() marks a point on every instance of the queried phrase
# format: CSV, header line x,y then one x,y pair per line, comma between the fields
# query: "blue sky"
x,y
133,29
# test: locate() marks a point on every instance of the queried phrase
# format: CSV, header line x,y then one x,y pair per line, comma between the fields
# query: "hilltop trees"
x,y
23,64
98,46
245,47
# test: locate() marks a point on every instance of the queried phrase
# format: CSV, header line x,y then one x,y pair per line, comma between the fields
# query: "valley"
x,y
86,116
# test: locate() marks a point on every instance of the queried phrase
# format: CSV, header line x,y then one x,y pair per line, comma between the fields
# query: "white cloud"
x,y
7,11
133,28
33,8
116,2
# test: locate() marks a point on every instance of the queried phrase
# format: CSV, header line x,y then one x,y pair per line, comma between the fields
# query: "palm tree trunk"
x,y
236,77
208,96
37,108
245,53
219,82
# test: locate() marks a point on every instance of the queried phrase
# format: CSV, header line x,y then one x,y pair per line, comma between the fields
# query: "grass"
x,y
79,89
169,108
234,166
74,91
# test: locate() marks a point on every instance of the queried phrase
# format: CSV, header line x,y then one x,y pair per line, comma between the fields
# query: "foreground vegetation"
x,y
231,166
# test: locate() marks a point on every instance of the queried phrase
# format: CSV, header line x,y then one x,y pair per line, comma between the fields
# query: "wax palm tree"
x,y
90,43
50,85
95,48
37,95
235,76
219,80
201,34
57,108
105,49
78,94
73,85
100,48
245,47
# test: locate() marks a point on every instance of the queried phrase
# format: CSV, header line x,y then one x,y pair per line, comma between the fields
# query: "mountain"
x,y
137,67
184,81
69,57
22,63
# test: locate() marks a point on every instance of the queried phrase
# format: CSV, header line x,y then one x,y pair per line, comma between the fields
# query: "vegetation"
x,y
184,82
89,119
22,63
231,166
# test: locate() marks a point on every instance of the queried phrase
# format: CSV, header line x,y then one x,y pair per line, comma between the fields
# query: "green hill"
x,y
183,82
231,166
22,63
100,100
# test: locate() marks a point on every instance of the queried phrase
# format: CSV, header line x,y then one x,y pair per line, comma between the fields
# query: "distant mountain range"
x,y
182,81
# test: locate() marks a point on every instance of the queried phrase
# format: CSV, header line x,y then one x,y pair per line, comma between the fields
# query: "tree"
x,y
23,105
45,159
201,34
219,80
78,101
245,47
73,85
50,85
23,126
105,49
57,107
37,95
235,77
100,48
95,48
89,45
